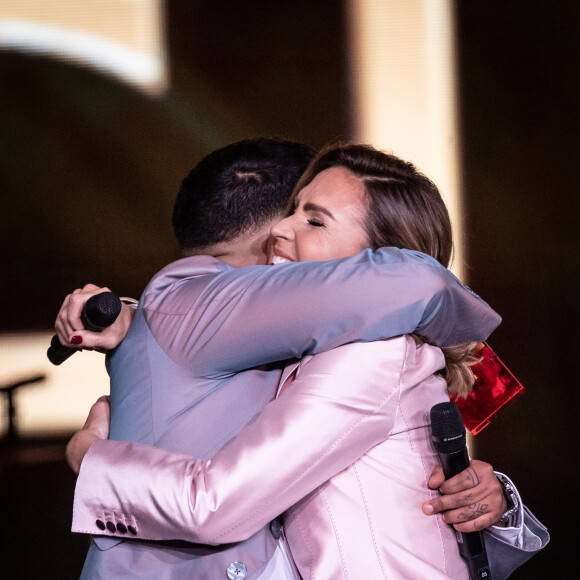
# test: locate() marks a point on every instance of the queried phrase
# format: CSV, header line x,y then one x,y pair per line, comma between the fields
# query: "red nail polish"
x,y
76,339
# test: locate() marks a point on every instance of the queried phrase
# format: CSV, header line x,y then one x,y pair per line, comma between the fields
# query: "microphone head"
x,y
101,311
447,428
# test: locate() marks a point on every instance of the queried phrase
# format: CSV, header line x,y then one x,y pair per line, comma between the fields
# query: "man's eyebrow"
x,y
309,206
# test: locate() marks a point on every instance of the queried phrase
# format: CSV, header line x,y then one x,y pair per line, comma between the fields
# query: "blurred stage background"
x,y
90,165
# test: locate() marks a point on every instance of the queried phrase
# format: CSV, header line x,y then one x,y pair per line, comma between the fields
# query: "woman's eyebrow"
x,y
309,206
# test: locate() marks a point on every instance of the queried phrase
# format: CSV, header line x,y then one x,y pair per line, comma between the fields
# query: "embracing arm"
x,y
250,316
154,495
313,431
240,318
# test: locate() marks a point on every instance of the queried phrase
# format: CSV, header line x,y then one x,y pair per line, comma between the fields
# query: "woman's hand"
x,y
96,427
70,329
471,501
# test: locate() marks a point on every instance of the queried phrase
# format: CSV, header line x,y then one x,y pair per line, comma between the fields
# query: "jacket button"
x,y
111,527
276,528
237,571
132,530
100,524
121,528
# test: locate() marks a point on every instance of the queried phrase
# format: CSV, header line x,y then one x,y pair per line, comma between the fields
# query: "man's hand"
x,y
471,501
70,329
96,427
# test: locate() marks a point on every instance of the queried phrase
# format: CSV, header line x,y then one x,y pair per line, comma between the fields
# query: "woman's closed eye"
x,y
316,222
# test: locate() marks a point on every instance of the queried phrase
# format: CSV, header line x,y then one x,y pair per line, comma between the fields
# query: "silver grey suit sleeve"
x,y
509,548
504,556
226,321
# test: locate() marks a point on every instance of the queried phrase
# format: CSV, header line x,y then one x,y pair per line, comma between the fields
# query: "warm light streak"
x,y
402,69
124,38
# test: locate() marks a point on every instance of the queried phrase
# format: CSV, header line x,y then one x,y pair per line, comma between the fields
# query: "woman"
x,y
350,198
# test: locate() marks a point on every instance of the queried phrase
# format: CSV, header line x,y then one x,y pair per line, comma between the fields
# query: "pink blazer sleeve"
x,y
341,404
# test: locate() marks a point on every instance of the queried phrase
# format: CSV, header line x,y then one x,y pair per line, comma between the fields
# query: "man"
x,y
180,381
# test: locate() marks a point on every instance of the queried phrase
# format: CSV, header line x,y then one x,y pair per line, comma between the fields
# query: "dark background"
x,y
89,170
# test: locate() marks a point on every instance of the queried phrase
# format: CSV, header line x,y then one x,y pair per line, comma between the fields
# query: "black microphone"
x,y
99,312
449,439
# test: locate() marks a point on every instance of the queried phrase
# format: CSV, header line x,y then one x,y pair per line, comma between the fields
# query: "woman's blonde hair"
x,y
404,209
458,362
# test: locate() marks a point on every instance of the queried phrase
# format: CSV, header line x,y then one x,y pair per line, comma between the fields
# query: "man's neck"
x,y
246,250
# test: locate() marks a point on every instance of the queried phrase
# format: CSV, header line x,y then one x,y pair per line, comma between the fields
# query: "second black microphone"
x,y
449,440
100,311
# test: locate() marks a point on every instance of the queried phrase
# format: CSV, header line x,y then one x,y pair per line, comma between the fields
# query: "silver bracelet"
x,y
130,302
509,518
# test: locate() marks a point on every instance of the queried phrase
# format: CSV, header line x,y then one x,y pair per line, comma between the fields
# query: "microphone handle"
x,y
57,353
454,463
472,550
471,544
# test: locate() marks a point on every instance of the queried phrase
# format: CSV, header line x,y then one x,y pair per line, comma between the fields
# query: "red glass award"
x,y
495,387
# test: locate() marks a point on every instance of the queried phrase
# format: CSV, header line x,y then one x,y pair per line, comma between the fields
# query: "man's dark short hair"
x,y
236,189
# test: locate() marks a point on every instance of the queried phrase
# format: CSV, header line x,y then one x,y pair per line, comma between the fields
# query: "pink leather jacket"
x,y
365,522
